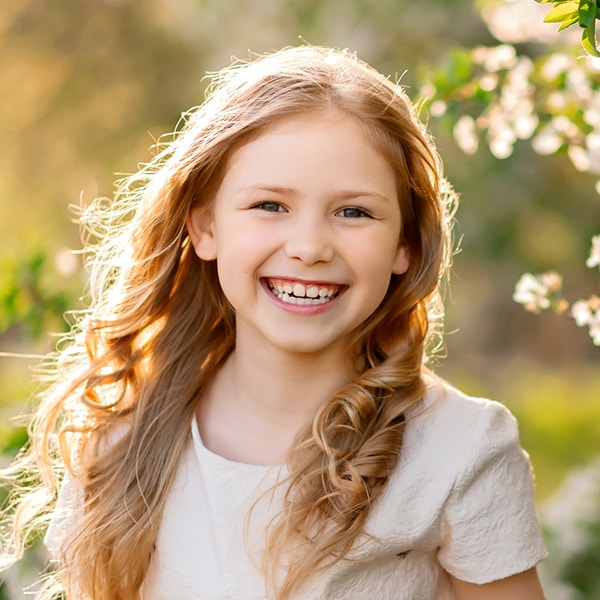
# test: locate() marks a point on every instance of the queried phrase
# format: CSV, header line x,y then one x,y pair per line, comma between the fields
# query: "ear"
x,y
200,226
401,261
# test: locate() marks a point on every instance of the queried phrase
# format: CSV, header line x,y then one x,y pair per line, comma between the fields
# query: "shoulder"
x,y
466,459
461,447
443,399
447,419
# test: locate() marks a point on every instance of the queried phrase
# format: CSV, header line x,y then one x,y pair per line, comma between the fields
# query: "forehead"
x,y
321,146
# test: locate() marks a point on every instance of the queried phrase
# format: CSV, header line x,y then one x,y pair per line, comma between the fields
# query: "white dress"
x,y
460,502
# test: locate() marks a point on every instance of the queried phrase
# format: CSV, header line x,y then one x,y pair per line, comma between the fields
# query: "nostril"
x,y
309,249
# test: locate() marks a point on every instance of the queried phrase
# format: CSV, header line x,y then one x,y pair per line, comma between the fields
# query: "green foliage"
x,y
570,12
34,294
560,422
510,97
12,439
558,414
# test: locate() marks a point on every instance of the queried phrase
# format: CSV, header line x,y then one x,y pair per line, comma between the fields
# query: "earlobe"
x,y
200,227
401,261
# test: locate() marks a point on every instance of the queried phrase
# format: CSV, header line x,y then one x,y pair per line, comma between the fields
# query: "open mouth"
x,y
303,294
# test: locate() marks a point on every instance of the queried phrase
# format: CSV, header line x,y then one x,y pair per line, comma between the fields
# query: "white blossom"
x,y
547,140
501,147
565,125
465,133
496,58
428,90
535,291
592,115
579,157
557,100
578,82
594,258
501,57
594,62
516,22
578,496
592,142
489,82
501,133
525,125
587,313
570,516
556,64
437,108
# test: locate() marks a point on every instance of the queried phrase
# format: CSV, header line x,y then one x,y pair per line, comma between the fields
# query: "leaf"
x,y
563,11
587,12
588,40
568,23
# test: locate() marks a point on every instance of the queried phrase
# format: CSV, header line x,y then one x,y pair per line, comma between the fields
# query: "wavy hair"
x,y
159,327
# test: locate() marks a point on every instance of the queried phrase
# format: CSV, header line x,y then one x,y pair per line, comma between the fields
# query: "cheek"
x,y
240,252
376,268
375,257
242,235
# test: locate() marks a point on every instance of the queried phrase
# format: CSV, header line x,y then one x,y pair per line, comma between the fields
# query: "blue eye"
x,y
269,206
352,212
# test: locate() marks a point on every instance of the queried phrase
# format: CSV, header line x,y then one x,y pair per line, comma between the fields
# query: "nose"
x,y
309,240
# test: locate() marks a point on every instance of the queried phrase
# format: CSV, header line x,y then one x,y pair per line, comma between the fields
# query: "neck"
x,y
263,397
287,389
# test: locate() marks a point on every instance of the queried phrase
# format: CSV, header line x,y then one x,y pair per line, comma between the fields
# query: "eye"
x,y
353,212
269,207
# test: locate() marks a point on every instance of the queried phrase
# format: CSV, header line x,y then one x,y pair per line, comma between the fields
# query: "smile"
x,y
303,294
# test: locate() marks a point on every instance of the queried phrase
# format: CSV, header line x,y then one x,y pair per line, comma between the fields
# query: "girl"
x,y
244,412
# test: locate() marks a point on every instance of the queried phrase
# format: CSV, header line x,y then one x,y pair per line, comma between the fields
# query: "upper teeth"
x,y
309,294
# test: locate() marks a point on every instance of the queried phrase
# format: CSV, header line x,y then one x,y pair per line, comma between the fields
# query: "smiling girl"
x,y
245,411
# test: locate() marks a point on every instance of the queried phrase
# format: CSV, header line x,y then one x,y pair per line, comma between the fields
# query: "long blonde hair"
x,y
159,328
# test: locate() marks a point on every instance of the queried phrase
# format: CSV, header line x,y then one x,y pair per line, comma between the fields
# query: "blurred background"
x,y
87,87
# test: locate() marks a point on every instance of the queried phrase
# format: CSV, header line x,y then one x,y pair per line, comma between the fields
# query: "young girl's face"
x,y
306,233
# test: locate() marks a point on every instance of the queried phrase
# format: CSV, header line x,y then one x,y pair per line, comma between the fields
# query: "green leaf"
x,y
563,11
588,40
568,23
587,12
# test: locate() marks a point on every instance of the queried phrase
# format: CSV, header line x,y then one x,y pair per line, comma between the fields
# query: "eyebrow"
x,y
342,194
278,189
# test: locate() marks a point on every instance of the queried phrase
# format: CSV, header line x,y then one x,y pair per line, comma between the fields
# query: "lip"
x,y
303,308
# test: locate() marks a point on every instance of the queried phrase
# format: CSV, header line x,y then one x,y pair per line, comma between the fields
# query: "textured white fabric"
x,y
460,501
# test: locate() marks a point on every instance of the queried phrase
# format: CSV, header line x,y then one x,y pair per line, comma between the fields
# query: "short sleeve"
x,y
490,528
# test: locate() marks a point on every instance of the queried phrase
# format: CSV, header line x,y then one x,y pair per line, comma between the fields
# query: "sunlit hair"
x,y
159,328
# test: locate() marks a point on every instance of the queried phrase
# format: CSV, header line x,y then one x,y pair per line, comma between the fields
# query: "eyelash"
x,y
262,205
356,209
279,208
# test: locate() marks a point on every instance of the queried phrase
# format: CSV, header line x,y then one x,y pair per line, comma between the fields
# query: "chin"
x,y
306,347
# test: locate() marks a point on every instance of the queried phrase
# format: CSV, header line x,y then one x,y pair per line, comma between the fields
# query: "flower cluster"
x,y
542,292
494,92
552,99
587,313
594,258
